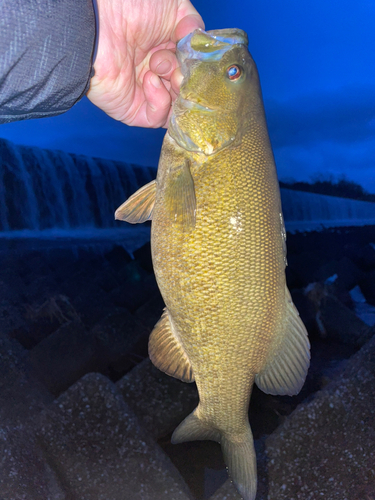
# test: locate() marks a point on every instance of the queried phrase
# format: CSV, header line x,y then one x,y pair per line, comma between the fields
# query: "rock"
x,y
63,357
90,301
21,395
150,312
363,310
227,492
334,320
30,264
60,260
24,471
143,256
340,323
100,451
117,256
349,274
342,274
107,278
367,285
292,278
305,266
131,295
132,273
325,449
327,270
117,336
159,401
12,297
366,257
44,319
306,310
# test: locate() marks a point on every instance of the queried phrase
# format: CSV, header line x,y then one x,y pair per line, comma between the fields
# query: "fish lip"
x,y
225,40
191,104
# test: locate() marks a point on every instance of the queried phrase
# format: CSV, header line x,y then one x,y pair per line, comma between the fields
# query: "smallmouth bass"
x,y
219,251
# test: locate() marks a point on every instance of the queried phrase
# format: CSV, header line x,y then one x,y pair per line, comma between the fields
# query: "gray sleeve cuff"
x,y
46,56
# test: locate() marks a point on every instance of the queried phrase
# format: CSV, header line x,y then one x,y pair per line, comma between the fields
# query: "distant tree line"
x,y
342,187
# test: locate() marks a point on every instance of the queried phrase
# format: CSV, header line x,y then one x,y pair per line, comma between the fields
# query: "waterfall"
x,y
309,211
42,189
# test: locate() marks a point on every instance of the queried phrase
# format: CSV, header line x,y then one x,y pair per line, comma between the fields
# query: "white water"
x,y
41,189
310,211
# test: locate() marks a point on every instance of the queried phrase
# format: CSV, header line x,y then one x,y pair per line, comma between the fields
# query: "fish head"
x,y
220,91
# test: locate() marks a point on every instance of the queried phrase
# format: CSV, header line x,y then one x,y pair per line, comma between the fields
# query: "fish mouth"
x,y
207,45
192,104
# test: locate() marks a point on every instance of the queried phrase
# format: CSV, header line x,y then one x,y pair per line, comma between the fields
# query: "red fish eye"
x,y
234,72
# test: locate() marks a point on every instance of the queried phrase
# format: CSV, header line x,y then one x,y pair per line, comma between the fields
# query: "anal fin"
x,y
285,371
138,208
166,351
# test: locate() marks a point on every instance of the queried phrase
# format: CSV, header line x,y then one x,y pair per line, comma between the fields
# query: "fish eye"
x,y
234,72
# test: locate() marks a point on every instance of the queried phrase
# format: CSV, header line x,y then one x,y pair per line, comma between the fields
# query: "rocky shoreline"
x,y
85,416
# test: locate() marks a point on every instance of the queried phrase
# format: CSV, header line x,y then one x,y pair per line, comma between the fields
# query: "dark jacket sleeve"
x,y
46,50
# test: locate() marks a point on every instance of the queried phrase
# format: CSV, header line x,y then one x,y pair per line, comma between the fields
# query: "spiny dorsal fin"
x,y
138,208
180,196
286,370
167,353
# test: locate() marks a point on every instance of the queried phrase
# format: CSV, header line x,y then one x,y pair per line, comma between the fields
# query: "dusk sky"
x,y
316,62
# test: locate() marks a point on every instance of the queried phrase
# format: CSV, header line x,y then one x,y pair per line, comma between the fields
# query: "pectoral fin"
x,y
138,208
180,196
166,351
285,371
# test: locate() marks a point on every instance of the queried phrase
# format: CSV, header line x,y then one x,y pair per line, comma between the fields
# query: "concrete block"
x,y
97,446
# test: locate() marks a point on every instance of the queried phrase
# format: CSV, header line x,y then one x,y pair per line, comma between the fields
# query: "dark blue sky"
x,y
317,67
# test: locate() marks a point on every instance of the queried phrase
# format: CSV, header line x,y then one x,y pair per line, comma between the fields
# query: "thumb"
x,y
188,19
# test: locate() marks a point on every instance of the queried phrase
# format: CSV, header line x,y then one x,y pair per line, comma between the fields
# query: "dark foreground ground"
x,y
85,416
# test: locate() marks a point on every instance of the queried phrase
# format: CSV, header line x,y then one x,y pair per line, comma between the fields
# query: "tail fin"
x,y
238,451
239,455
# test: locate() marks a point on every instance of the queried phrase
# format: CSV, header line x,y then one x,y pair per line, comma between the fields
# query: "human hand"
x,y
136,70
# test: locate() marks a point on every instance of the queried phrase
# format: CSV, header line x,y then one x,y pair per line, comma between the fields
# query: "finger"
x,y
176,80
163,63
188,20
158,101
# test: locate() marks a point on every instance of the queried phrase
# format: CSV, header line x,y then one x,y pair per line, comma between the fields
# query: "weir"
x,y
45,192
309,211
42,189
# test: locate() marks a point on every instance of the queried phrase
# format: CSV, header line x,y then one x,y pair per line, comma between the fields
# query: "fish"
x,y
218,245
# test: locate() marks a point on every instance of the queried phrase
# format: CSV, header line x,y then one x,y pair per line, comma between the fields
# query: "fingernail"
x,y
178,77
163,68
155,81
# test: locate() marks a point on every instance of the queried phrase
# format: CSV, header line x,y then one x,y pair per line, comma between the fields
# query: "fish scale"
x,y
218,249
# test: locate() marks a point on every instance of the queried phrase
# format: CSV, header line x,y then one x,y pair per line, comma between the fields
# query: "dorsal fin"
x,y
285,371
166,351
138,208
